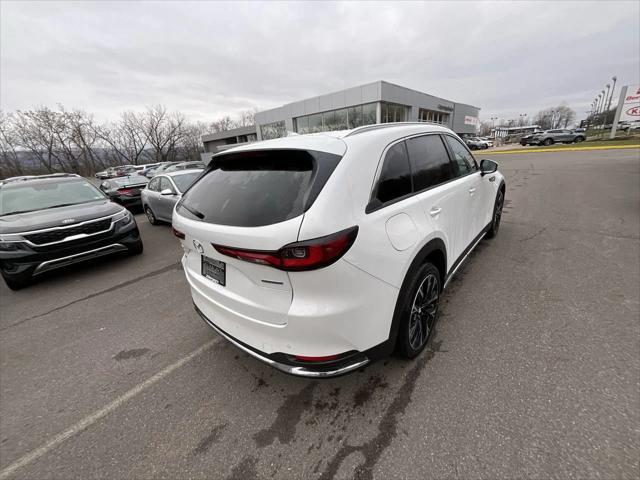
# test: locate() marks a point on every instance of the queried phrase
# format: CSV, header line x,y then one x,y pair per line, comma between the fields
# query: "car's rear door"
x,y
443,197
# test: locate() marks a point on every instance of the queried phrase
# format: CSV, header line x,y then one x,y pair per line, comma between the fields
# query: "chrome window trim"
x,y
19,236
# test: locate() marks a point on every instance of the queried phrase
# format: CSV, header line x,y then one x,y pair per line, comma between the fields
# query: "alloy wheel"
x,y
424,311
150,216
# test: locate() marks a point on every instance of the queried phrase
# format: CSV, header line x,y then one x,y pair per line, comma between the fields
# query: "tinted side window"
x,y
395,177
462,160
429,161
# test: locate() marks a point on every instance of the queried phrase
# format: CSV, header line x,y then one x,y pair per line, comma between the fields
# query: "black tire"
x,y
547,142
136,249
497,215
579,139
17,283
150,215
417,323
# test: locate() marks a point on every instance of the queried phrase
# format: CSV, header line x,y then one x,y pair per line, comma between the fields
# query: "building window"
x,y
432,116
302,125
341,119
392,112
273,130
315,123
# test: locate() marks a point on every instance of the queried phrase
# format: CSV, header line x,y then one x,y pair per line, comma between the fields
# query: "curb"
x,y
569,149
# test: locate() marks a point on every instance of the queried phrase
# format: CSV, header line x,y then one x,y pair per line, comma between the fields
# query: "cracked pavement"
x,y
533,370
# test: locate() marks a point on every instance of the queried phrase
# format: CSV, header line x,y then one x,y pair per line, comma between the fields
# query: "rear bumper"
x,y
337,310
324,370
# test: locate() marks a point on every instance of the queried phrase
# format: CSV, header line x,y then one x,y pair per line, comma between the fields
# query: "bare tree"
x,y
165,131
555,117
191,145
8,148
126,140
246,118
222,124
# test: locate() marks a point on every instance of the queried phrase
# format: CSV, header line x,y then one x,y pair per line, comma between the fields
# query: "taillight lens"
x,y
125,191
299,256
177,233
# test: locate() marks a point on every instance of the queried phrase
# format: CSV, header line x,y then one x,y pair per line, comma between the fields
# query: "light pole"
x,y
493,125
614,78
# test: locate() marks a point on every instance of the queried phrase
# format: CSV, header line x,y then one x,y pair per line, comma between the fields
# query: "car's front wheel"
x,y
547,142
419,311
579,139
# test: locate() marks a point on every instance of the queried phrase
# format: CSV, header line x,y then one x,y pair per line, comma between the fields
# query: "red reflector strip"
x,y
125,191
315,359
177,233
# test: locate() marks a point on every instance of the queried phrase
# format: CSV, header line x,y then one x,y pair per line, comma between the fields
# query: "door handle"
x,y
435,211
472,190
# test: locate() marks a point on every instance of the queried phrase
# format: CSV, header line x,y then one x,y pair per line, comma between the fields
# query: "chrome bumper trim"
x,y
298,371
78,257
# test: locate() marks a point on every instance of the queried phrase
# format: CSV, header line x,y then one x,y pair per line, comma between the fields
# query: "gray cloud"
x,y
213,58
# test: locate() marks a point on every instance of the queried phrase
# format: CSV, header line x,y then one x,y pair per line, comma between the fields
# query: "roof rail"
x,y
379,126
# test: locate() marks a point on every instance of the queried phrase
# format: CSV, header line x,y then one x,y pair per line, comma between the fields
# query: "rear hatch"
x,y
252,201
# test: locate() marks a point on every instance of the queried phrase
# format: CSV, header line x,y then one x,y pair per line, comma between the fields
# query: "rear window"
x,y
185,180
131,180
257,188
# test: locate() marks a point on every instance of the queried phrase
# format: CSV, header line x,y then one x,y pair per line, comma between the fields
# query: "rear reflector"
x,y
126,191
299,256
315,359
177,233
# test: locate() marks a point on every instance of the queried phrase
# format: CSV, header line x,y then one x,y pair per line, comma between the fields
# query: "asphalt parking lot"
x,y
107,372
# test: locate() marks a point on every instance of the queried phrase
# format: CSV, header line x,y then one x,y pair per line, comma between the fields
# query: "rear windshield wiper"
x,y
198,214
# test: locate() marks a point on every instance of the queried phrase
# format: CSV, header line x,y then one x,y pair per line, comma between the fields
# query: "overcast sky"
x,y
208,59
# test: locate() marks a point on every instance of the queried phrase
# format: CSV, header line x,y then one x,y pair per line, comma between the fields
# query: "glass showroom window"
x,y
315,123
340,119
392,112
302,125
273,130
369,114
432,116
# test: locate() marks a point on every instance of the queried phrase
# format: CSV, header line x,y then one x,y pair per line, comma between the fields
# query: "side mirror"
x,y
167,191
488,167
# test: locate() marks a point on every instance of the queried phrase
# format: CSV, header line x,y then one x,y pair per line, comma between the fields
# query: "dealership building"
x,y
377,102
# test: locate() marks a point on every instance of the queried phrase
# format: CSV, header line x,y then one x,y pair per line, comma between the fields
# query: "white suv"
x,y
319,253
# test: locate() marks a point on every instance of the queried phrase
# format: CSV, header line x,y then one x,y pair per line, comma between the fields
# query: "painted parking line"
x,y
568,149
101,413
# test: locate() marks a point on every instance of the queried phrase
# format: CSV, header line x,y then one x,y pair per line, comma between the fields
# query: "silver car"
x,y
163,192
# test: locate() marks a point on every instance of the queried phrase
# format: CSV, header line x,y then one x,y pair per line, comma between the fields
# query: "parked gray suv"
x,y
549,137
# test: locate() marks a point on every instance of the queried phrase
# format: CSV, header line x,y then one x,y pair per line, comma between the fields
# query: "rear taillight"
x,y
299,256
177,233
125,191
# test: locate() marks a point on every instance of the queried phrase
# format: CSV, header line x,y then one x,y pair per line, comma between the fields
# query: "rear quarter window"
x,y
257,188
